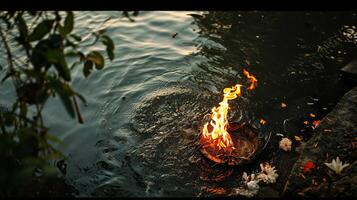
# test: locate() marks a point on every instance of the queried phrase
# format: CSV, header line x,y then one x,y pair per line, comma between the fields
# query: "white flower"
x,y
247,178
285,144
337,165
268,173
253,186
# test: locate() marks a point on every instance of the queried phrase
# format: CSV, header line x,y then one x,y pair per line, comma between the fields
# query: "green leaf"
x,y
32,161
30,73
28,143
8,118
49,171
71,44
96,58
110,54
88,66
23,38
68,23
23,110
22,26
23,176
56,57
55,154
60,89
72,54
76,37
38,55
6,143
41,30
108,42
196,15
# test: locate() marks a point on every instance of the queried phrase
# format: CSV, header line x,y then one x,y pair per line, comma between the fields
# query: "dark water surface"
x,y
144,110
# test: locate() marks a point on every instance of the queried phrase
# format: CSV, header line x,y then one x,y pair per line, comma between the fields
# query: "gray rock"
x,y
335,136
350,71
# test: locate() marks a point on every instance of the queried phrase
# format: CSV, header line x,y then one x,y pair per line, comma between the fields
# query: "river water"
x,y
145,108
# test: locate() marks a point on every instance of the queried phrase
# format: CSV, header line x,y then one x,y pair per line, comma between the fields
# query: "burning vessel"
x,y
230,143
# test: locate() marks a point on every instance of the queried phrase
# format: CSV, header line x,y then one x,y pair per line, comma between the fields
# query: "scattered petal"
x,y
309,165
245,176
314,99
312,115
315,145
306,122
283,105
316,123
302,176
262,121
298,139
285,144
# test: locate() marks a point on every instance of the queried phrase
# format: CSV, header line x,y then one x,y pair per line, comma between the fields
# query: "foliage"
x,y
44,43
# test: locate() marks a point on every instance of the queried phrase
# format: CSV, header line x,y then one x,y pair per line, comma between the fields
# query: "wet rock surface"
x,y
350,71
335,136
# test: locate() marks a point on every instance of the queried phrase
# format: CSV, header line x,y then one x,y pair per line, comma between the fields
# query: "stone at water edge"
x,y
350,71
342,125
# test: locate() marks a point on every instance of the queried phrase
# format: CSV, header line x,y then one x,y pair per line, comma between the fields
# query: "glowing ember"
x,y
215,133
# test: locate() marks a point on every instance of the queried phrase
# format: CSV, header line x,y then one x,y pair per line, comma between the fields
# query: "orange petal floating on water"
x,y
283,105
306,122
297,138
309,165
316,123
262,121
312,115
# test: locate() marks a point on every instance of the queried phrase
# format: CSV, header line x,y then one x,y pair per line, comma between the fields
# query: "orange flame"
x,y
219,120
252,79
